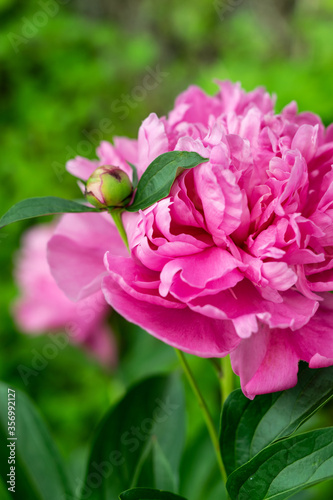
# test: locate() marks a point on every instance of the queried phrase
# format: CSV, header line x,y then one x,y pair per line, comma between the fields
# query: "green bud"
x,y
108,187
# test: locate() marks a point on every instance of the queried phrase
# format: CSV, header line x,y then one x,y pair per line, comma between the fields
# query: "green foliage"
x,y
41,206
285,468
39,471
199,474
139,442
262,462
135,179
4,495
248,426
134,444
148,494
157,179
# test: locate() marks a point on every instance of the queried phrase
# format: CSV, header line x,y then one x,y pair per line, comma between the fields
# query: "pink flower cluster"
x,y
239,258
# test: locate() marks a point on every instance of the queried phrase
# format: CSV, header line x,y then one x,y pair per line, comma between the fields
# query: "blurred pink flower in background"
x,y
238,259
43,306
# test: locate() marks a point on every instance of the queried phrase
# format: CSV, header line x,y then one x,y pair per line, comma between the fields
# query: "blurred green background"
x,y
67,66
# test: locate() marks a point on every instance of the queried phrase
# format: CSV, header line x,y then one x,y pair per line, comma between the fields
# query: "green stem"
x,y
116,216
204,408
227,379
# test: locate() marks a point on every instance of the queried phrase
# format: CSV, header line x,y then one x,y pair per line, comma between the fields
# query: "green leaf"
x,y
200,477
37,207
139,442
135,175
284,468
157,179
249,426
165,476
4,493
39,471
148,494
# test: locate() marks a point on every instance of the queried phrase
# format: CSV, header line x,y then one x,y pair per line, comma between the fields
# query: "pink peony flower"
x,y
238,259
43,306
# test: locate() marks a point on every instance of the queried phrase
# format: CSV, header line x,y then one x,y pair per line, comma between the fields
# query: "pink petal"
x,y
266,362
318,361
316,337
221,199
279,275
199,269
109,155
137,280
194,106
76,251
180,328
306,141
127,148
152,141
81,167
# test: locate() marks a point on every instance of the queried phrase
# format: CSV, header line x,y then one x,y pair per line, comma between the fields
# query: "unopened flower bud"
x,y
108,187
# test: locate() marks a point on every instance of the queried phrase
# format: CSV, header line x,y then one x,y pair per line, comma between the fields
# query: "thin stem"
x,y
204,408
227,379
116,216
